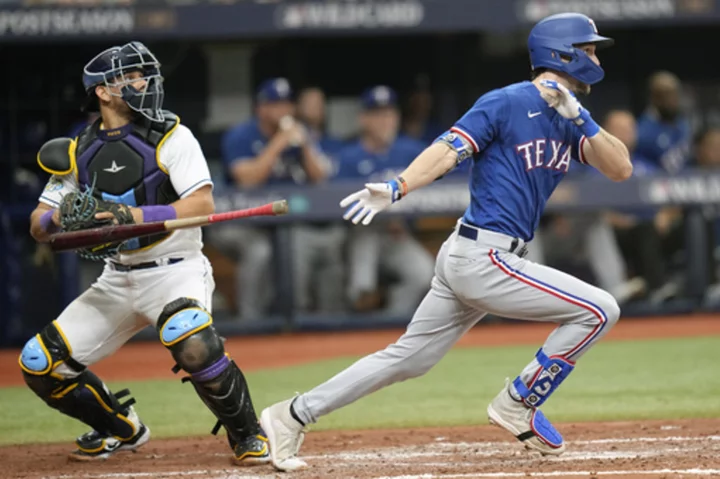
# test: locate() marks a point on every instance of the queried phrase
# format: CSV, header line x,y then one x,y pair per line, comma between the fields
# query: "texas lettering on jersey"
x,y
537,155
520,149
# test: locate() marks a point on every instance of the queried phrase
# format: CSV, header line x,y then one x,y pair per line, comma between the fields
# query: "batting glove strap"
x,y
586,123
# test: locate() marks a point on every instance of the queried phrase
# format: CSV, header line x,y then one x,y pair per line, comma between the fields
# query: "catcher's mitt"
x,y
77,212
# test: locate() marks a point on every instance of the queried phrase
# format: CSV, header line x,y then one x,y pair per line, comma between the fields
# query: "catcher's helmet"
x,y
552,44
110,67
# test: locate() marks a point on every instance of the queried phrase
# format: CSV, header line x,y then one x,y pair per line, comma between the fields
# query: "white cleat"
x,y
285,436
528,425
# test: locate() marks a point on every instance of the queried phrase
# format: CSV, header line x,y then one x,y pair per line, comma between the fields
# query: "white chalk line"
x,y
440,449
694,472
223,474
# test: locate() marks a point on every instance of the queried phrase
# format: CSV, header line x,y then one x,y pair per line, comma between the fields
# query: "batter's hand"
x,y
368,202
567,105
559,97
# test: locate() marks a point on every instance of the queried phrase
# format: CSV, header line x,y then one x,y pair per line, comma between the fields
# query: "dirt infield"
x,y
656,449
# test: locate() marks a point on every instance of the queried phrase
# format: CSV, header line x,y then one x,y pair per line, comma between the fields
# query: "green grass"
x,y
615,381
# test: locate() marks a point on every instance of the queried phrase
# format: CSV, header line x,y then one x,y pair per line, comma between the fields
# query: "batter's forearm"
x,y
609,155
431,164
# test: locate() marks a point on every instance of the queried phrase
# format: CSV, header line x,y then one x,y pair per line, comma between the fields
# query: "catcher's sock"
x,y
294,414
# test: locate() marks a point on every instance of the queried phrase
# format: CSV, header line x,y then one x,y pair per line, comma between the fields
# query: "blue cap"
x,y
379,96
274,89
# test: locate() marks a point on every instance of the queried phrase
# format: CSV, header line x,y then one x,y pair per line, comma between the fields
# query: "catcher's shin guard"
x,y
186,329
83,397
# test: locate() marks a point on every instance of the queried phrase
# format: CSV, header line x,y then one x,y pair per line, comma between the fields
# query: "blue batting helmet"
x,y
552,44
109,68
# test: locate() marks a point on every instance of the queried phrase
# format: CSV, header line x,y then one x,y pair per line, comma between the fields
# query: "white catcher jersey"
x,y
182,157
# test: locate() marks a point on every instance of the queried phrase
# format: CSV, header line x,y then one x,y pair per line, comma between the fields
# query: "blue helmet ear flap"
x,y
553,43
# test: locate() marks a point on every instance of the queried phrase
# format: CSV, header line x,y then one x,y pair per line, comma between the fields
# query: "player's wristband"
x,y
586,123
158,213
47,223
399,188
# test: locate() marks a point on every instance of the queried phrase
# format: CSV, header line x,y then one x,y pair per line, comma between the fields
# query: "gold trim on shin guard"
x,y
84,396
186,329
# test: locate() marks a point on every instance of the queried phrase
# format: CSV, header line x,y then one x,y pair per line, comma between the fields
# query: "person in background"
x,y
590,237
417,120
664,133
641,231
311,111
273,148
707,157
380,154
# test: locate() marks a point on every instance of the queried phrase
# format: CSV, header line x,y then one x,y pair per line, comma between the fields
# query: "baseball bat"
x,y
111,234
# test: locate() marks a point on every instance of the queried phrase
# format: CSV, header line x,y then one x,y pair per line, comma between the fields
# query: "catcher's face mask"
x,y
117,68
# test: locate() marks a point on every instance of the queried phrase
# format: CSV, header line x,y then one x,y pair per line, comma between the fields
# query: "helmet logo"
x,y
593,26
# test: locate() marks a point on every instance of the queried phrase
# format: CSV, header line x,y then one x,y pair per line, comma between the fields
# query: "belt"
x,y
150,264
514,247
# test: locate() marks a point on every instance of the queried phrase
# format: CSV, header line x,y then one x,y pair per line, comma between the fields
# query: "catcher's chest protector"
x,y
123,164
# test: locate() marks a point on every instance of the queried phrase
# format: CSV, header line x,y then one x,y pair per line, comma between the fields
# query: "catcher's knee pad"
x,y
553,371
82,396
186,329
47,350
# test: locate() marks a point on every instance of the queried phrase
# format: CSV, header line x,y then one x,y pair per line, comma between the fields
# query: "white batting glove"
x,y
567,105
370,201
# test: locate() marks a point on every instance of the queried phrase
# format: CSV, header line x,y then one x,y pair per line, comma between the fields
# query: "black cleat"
x,y
93,446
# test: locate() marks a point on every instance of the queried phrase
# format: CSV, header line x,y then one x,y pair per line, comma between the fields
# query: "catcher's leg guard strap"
x,y
83,397
553,371
186,329
86,399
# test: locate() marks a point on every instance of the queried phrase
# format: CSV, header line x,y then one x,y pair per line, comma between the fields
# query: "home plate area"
x,y
657,449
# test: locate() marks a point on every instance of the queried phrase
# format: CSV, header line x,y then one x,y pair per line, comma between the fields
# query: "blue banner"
x,y
451,196
247,19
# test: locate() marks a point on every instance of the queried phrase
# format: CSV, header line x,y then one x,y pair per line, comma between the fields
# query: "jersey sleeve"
x,y
184,161
481,123
346,164
57,187
577,141
236,145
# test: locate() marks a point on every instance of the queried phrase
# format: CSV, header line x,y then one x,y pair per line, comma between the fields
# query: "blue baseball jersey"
x,y
665,144
355,162
245,141
521,148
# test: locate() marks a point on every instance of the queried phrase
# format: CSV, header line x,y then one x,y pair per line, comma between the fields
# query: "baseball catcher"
x,y
136,163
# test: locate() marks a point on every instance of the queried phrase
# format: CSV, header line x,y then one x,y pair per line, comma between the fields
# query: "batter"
x,y
521,140
141,156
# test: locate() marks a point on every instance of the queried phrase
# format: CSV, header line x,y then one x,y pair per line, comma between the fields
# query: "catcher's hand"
x,y
81,210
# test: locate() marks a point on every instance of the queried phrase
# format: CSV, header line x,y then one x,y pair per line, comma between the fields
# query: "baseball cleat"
x,y
94,446
285,436
252,451
528,425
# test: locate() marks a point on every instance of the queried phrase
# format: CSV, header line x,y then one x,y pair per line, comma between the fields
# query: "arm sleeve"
x,y
185,162
57,187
